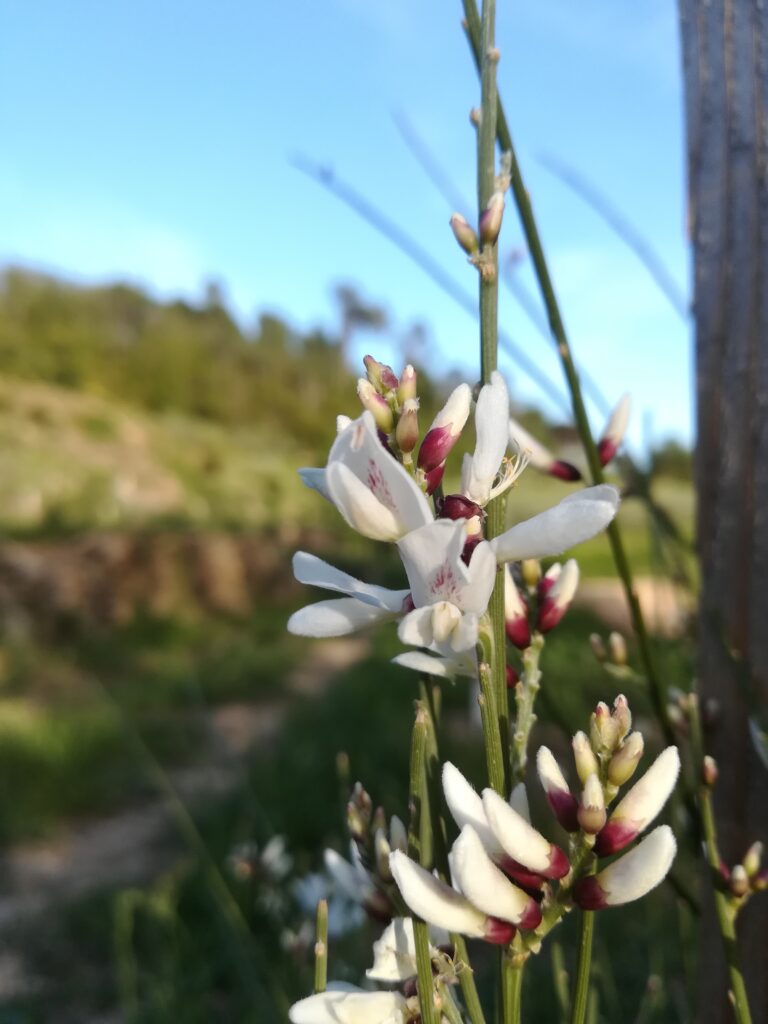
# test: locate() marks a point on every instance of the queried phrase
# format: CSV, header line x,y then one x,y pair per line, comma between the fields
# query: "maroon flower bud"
x,y
512,677
564,471
456,506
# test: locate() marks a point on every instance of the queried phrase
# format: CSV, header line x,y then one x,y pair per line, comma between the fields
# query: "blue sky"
x,y
151,140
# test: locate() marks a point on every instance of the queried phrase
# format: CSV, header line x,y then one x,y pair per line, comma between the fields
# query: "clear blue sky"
x,y
150,140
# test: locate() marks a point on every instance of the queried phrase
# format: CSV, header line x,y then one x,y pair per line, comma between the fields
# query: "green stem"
x,y
448,1005
416,796
321,947
726,910
430,695
583,969
557,327
486,186
512,988
525,697
494,754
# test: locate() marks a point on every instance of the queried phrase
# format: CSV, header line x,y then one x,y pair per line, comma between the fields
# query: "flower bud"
x,y
512,677
381,376
359,812
445,430
614,431
622,715
555,599
559,797
381,852
407,429
515,613
591,812
760,882
738,883
464,234
408,385
753,858
631,876
530,570
709,771
622,765
584,755
521,841
598,647
398,834
375,404
539,456
641,804
490,219
603,730
617,649
379,820
456,506
434,477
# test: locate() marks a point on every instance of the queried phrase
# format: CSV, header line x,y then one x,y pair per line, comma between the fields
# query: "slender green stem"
x,y
321,947
560,981
525,697
557,327
512,988
448,1006
726,910
494,754
430,695
416,802
583,968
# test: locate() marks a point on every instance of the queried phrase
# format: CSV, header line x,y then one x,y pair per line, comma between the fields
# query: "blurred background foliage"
x,y
154,714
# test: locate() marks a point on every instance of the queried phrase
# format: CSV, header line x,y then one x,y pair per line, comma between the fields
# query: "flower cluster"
x,y
382,491
506,876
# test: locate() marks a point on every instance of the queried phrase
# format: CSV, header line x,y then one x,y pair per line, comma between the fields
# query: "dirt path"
x,y
135,844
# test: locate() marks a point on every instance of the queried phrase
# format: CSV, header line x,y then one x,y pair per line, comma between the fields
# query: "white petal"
x,y
360,508
492,427
514,607
567,581
538,456
482,882
315,572
616,426
339,617
444,668
548,770
466,807
517,838
465,634
637,872
359,450
334,1007
349,878
574,520
649,794
433,900
342,422
314,478
416,628
455,412
394,953
432,559
482,576
518,801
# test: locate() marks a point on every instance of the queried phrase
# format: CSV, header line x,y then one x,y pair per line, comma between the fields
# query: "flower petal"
x,y
315,572
345,1007
641,804
359,451
482,576
492,428
338,617
444,668
433,900
572,521
632,875
516,836
432,559
314,478
488,888
416,628
359,506
466,807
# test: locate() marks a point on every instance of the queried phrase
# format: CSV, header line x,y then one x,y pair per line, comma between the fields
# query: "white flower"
x,y
440,905
448,596
556,591
632,875
573,520
349,1006
373,492
521,841
559,797
363,605
394,953
487,887
641,804
445,429
463,663
479,470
